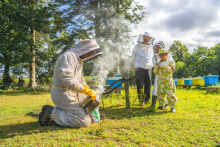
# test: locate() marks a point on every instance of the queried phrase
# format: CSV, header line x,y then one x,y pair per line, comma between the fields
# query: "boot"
x,y
44,115
173,110
152,107
154,101
160,108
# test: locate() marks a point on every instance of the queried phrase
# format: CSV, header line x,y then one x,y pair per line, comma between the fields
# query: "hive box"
x,y
113,79
188,81
180,81
211,79
195,81
175,82
200,81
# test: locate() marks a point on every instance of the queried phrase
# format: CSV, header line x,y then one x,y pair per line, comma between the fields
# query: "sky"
x,y
193,22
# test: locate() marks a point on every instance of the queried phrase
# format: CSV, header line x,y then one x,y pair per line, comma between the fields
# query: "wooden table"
x,y
211,89
186,86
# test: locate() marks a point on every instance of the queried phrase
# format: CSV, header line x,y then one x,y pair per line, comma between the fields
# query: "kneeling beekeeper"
x,y
68,81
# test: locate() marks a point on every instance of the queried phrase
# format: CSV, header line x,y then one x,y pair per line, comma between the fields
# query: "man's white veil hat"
x,y
141,39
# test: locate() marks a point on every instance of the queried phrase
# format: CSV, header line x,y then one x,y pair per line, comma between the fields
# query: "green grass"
x,y
196,122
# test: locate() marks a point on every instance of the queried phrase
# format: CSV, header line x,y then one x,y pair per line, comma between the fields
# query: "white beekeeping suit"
x,y
68,81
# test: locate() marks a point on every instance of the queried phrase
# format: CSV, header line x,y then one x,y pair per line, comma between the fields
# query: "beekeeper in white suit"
x,y
68,81
142,59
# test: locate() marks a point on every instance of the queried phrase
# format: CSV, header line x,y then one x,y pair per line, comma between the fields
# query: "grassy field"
x,y
196,122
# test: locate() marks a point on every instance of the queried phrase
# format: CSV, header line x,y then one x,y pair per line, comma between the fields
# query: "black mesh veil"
x,y
96,53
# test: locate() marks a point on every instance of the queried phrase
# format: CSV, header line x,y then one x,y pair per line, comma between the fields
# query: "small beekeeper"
x,y
142,59
68,82
156,60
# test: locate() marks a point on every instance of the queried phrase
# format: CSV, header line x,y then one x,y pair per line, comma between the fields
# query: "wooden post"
x,y
127,86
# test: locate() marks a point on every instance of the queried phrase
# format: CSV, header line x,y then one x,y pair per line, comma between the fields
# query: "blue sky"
x,y
193,22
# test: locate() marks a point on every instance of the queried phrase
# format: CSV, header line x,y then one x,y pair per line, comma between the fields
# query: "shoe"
x,y
173,110
160,108
44,115
166,106
142,104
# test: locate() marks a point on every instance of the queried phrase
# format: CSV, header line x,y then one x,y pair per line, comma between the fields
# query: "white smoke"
x,y
102,67
112,50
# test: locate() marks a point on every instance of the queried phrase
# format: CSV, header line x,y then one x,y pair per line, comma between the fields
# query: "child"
x,y
156,59
165,83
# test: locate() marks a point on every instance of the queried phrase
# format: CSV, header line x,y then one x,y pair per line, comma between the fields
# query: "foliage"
x,y
179,51
18,20
200,62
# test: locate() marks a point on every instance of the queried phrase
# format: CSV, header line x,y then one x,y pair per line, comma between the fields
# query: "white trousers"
x,y
77,118
155,86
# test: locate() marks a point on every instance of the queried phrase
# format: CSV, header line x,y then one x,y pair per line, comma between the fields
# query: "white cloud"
x,y
195,23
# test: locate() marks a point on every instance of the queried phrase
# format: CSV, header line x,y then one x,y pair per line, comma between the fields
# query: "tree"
x,y
14,35
205,61
18,20
99,19
179,51
217,53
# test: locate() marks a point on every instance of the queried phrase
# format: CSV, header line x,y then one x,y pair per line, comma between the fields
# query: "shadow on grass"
x,y
31,114
122,112
12,130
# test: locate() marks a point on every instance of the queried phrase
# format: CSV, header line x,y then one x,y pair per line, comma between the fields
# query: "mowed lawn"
x,y
196,122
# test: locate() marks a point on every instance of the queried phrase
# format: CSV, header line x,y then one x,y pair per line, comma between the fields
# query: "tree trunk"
x,y
6,76
117,34
97,17
32,83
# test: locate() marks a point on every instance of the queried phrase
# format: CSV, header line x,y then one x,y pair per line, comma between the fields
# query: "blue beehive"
x,y
113,79
175,81
211,79
188,81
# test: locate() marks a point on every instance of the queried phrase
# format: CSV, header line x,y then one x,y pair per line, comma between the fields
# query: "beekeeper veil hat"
x,y
141,38
160,43
86,46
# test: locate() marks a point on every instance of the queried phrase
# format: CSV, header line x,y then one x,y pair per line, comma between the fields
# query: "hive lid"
x,y
114,78
212,76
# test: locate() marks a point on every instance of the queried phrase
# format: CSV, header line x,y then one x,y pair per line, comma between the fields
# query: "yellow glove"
x,y
156,69
86,90
87,87
168,69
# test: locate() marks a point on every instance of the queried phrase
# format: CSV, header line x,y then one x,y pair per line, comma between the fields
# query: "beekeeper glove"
x,y
156,69
86,90
86,86
162,64
167,68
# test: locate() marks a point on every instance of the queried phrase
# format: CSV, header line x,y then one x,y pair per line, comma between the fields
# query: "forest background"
x,y
33,33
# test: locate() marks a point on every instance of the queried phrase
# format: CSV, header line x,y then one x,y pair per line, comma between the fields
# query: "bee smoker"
x,y
89,105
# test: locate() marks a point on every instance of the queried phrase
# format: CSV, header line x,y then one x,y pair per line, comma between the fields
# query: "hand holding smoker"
x,y
89,104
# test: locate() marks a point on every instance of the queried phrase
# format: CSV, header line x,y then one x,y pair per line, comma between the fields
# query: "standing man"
x,y
68,81
142,59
